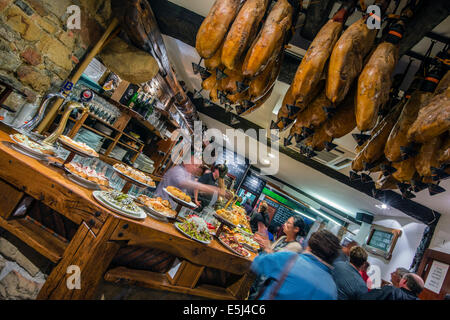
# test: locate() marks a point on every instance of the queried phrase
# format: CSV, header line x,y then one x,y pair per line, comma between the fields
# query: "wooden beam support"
x,y
316,16
428,16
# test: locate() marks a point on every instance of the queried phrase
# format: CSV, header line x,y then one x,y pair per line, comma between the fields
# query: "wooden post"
x,y
74,79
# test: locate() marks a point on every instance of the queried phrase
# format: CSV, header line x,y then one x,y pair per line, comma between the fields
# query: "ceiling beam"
x,y
395,200
427,17
316,16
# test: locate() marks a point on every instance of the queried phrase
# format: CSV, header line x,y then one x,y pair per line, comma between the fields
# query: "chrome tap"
x,y
33,123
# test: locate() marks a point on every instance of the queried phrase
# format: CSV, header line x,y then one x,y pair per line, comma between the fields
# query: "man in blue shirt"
x,y
349,281
309,277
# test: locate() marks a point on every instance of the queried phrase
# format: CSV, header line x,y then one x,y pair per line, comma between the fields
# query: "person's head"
x,y
324,245
248,202
219,171
397,275
346,248
358,256
365,266
263,207
412,282
294,226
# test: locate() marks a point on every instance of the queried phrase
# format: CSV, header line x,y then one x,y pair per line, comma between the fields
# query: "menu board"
x,y
283,213
381,240
253,184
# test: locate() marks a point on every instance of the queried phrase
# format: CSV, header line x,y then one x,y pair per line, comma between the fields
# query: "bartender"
x,y
180,176
201,198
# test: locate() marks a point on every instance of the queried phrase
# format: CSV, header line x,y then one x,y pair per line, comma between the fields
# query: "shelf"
x,y
127,146
92,129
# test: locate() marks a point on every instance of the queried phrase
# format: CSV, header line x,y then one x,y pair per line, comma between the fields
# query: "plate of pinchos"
x,y
180,197
85,176
194,228
157,206
137,177
77,147
29,147
230,242
120,203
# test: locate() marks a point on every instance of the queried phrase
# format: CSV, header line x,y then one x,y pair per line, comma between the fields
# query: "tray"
x,y
132,180
98,195
201,241
190,205
156,213
232,250
77,150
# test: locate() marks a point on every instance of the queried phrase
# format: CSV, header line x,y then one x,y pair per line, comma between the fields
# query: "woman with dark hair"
x,y
293,228
259,216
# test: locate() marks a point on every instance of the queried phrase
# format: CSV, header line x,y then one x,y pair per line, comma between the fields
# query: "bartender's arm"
x,y
196,197
197,186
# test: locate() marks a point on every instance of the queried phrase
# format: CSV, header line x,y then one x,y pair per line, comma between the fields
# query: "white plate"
x,y
198,240
190,205
157,213
223,220
232,250
82,181
139,183
27,151
78,150
26,147
98,195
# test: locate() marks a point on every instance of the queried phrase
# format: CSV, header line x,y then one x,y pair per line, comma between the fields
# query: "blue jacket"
x,y
308,279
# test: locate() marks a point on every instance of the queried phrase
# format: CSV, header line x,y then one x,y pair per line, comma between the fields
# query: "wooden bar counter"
x,y
100,234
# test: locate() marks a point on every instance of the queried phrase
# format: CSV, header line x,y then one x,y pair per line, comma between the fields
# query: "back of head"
x,y
263,206
325,245
358,256
414,283
401,272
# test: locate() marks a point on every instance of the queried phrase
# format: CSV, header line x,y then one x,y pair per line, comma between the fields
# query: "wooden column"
x,y
92,254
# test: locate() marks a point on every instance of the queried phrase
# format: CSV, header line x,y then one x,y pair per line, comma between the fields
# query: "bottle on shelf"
x,y
133,99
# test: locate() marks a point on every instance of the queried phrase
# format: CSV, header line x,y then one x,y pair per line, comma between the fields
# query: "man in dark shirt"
x,y
248,206
410,286
345,251
202,199
349,281
260,216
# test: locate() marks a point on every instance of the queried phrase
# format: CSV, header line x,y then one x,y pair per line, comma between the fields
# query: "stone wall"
x,y
37,50
22,270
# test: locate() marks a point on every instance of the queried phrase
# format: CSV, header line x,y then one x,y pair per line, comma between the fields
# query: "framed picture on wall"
x,y
381,241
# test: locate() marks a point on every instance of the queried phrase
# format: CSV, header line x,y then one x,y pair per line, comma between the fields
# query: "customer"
x,y
397,275
180,176
364,275
259,216
293,228
410,286
300,277
248,206
345,252
350,284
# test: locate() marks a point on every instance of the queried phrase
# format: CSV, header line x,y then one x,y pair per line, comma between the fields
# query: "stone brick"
x,y
9,251
46,25
38,7
22,24
91,31
9,62
14,286
24,7
56,52
58,8
68,38
2,263
4,4
31,56
53,68
31,77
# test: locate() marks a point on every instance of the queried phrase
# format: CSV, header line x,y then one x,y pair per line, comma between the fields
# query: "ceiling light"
x,y
325,216
382,206
305,215
225,137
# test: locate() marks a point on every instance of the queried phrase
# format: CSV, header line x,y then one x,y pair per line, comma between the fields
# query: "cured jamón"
x,y
398,136
318,139
311,68
213,29
443,154
405,170
264,81
215,61
270,39
374,84
210,82
346,60
258,103
242,32
426,158
432,120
